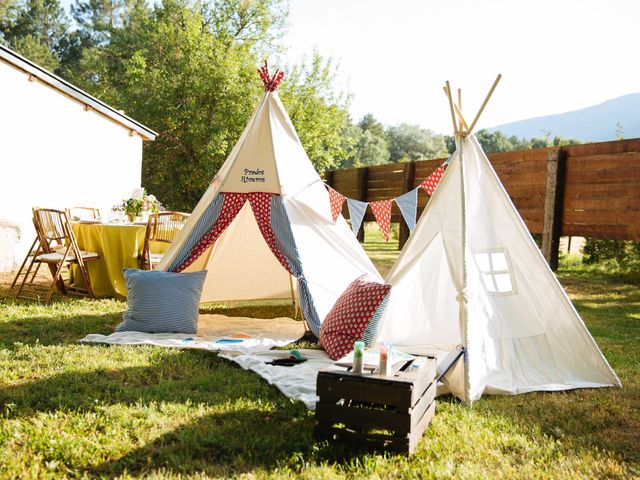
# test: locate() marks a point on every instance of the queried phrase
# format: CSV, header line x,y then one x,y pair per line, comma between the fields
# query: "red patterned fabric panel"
x,y
261,206
336,199
231,206
431,182
348,318
382,212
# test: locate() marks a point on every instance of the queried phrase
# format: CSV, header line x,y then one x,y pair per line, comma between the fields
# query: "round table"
x,y
119,246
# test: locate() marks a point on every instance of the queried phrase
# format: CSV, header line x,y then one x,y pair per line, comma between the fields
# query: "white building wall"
x,y
55,154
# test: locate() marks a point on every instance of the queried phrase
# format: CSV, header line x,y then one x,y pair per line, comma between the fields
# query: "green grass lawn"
x,y
71,410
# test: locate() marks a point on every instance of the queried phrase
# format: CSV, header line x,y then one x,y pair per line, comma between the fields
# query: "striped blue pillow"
x,y
162,302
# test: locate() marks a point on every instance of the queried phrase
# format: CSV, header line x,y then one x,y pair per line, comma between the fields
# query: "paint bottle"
x,y
385,365
358,358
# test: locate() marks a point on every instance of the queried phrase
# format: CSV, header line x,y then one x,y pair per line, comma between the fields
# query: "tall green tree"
x,y
318,111
187,68
370,144
37,29
410,142
499,142
182,73
97,19
371,124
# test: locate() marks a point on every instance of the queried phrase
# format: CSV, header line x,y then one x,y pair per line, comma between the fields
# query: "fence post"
x,y
363,186
409,179
551,229
328,177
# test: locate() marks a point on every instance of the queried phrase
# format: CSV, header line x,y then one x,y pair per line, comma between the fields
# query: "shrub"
x,y
621,255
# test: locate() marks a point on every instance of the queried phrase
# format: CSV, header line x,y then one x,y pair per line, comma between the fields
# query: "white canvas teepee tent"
x,y
263,229
472,275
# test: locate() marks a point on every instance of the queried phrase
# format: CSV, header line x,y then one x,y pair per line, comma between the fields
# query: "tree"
x,y
187,68
37,29
369,123
495,141
370,144
410,142
8,11
97,19
372,150
186,78
318,112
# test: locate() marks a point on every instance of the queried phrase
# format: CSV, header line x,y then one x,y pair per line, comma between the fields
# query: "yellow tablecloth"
x,y
119,246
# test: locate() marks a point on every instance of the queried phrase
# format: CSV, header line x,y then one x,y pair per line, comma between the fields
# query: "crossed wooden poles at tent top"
x,y
461,128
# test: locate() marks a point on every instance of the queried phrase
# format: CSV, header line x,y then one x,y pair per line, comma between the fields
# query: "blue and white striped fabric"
x,y
281,227
162,302
370,333
204,224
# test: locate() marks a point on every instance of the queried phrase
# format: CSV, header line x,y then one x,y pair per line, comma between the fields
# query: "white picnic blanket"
x,y
216,333
297,382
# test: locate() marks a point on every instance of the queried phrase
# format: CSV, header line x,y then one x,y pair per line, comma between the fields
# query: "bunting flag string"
x,y
382,212
337,200
357,210
431,182
407,204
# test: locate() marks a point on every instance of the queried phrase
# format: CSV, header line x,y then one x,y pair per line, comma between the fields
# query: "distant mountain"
x,y
591,124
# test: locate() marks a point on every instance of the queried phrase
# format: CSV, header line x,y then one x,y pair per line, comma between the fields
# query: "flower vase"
x,y
131,217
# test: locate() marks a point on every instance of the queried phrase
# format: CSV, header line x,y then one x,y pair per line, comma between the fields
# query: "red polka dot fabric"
x,y
382,212
431,182
231,206
346,322
261,206
336,199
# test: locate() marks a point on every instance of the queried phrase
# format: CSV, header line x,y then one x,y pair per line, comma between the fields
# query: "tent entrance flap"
x,y
239,262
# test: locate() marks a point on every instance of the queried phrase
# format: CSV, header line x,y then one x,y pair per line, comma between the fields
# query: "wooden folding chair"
x,y
36,249
83,213
162,227
58,250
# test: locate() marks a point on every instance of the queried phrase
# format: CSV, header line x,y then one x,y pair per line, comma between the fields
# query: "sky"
x,y
395,55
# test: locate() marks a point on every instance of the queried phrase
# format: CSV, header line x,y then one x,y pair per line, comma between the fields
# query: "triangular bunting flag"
x,y
431,182
408,205
336,199
356,213
382,212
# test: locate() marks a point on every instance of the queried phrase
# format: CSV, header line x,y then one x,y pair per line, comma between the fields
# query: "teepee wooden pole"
x,y
463,122
460,108
447,91
484,104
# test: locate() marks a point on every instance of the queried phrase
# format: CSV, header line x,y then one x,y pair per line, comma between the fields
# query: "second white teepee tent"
x,y
472,275
263,229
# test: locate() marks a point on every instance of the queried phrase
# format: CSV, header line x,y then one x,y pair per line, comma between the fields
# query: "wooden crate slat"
x,y
365,441
357,417
422,402
330,390
421,426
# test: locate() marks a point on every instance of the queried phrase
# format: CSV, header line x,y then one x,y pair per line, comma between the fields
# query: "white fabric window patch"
x,y
495,271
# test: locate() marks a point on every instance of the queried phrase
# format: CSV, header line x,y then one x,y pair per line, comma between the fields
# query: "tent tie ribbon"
x,y
462,296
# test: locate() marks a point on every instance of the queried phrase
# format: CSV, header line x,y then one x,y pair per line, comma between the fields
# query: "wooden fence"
x,y
589,190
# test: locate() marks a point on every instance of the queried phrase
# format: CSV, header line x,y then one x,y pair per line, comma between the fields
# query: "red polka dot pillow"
x,y
354,317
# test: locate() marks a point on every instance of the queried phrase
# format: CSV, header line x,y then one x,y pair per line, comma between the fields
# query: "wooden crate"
x,y
373,411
